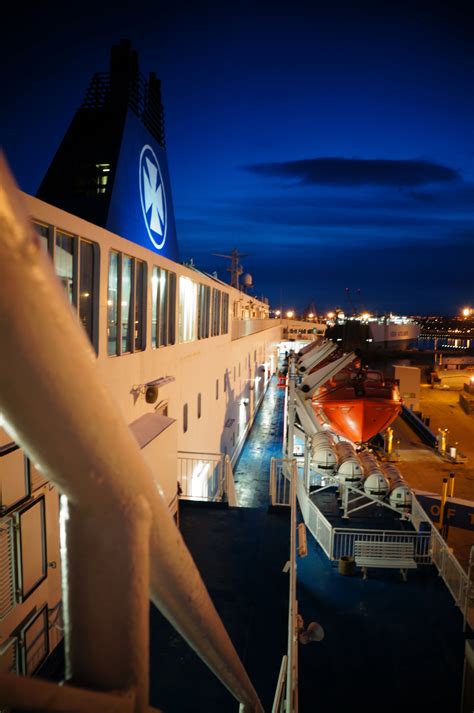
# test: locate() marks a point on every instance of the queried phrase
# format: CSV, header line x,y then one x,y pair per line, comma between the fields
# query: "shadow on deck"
x,y
240,553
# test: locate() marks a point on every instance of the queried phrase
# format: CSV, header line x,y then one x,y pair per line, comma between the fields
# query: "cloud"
x,y
358,172
423,197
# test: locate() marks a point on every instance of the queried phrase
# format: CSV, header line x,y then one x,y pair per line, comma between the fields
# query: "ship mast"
x,y
235,268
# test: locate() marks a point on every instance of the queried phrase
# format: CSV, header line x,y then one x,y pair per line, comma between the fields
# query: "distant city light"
x,y
467,311
311,315
278,313
330,315
290,314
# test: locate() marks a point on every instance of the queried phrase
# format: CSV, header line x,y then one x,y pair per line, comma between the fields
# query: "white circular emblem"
x,y
152,196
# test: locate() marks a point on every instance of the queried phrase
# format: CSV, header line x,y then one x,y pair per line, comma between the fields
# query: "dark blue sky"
x,y
334,141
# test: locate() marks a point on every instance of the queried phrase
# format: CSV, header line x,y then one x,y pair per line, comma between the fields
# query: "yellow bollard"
x,y
452,479
442,505
442,440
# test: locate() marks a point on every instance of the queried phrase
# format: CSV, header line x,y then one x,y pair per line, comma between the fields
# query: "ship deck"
x,y
389,645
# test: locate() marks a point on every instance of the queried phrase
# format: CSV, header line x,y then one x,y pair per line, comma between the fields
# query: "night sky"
x,y
333,142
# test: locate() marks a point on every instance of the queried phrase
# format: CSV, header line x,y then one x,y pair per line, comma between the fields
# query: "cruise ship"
x,y
157,443
373,333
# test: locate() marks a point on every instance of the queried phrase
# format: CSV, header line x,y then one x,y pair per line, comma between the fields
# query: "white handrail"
x,y
56,407
278,700
292,666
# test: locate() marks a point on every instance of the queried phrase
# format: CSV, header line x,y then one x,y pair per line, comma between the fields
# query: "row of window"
x,y
202,311
76,263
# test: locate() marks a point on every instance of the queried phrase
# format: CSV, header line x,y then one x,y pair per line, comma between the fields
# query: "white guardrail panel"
x,y
343,541
280,481
201,476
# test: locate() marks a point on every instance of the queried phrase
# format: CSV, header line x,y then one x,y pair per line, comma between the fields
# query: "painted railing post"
x,y
107,612
307,463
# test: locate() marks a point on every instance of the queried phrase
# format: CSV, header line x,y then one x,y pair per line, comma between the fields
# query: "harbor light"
x,y
310,315
290,314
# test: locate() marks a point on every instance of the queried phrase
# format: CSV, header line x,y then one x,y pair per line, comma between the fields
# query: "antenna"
x,y
350,301
235,268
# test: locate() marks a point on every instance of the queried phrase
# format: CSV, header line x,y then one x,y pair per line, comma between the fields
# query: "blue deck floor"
x,y
252,471
389,645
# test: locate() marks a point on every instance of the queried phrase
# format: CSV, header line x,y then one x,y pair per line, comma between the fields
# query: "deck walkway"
x,y
252,471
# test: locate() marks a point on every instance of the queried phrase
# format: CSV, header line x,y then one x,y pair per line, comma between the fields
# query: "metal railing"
x,y
453,575
245,327
343,542
279,698
202,476
280,481
292,665
317,524
7,568
339,542
283,477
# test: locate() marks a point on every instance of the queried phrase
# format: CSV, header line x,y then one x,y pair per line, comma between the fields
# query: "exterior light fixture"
x,y
290,314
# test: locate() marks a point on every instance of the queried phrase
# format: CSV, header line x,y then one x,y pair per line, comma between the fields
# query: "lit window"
x,y
225,313
216,312
32,558
64,263
102,176
187,309
76,263
204,310
126,304
163,318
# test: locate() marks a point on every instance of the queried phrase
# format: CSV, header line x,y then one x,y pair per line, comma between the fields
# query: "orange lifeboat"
x,y
358,403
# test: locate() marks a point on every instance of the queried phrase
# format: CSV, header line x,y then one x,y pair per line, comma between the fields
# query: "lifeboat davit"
x,y
358,403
